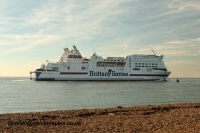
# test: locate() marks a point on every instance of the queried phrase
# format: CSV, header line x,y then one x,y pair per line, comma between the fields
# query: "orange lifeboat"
x,y
101,63
120,63
86,59
111,62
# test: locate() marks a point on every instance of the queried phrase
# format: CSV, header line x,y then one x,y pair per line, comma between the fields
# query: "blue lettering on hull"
x,y
108,74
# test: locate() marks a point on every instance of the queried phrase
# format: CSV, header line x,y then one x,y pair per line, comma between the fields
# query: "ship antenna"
x,y
153,52
95,53
94,50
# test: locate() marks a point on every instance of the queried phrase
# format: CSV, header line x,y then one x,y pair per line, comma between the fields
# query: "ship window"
x,y
83,68
114,60
55,68
118,60
111,60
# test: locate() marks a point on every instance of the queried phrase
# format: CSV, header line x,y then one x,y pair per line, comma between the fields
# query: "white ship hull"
x,y
72,67
78,76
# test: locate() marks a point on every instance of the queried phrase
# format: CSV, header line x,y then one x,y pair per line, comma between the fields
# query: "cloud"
x,y
113,28
186,47
32,42
181,62
126,45
60,20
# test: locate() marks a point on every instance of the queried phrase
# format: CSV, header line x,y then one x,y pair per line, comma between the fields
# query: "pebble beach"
x,y
174,118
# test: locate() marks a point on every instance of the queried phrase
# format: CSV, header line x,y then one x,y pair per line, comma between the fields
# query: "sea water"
x,y
20,94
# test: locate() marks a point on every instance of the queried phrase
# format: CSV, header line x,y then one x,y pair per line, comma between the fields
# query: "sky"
x,y
33,31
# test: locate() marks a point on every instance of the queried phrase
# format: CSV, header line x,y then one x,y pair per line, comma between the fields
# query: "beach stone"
x,y
179,118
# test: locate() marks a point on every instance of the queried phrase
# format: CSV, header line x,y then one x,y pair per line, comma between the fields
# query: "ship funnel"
x,y
74,47
66,49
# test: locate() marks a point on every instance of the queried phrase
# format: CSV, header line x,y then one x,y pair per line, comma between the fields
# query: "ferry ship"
x,y
73,67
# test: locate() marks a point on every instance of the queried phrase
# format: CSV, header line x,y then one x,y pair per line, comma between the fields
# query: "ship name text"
x,y
111,73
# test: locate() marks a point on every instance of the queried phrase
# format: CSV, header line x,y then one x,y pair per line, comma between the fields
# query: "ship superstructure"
x,y
72,66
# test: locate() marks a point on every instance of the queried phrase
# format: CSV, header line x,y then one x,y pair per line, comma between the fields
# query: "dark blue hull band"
x,y
45,79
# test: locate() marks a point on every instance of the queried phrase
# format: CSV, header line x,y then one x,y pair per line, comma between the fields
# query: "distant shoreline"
x,y
182,117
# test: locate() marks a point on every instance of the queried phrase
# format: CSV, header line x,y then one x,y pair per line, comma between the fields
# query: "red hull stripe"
x,y
148,75
74,57
75,73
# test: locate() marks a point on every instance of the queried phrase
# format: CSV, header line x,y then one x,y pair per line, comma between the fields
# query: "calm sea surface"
x,y
19,94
